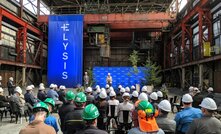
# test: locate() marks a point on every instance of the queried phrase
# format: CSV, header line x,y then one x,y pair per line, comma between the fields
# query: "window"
x,y
216,28
8,37
196,36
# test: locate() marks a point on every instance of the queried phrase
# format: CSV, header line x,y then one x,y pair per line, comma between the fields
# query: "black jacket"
x,y
42,95
63,110
91,130
61,94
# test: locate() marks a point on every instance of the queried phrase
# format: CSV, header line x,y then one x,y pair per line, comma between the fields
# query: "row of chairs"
x,y
14,112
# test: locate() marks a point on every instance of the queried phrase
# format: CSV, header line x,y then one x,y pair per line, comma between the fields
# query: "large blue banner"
x,y
65,50
124,76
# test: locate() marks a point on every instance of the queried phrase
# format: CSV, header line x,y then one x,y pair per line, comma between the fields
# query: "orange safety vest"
x,y
149,125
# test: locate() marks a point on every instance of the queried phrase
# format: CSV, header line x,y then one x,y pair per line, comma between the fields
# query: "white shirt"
x,y
127,106
113,102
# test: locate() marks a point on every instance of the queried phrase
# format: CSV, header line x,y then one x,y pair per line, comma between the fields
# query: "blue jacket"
x,y
52,94
50,120
185,117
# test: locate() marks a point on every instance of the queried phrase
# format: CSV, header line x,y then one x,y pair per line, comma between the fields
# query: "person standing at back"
x,y
11,86
86,79
90,115
208,124
187,115
109,79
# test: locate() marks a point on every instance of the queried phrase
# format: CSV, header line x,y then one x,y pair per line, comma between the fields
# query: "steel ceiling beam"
x,y
125,21
19,21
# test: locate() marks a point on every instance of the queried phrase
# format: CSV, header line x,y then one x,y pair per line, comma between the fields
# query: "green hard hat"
x,y
50,101
70,95
41,106
80,97
146,106
90,112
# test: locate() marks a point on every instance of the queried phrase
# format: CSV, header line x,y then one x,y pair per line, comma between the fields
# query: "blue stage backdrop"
x,y
65,50
120,75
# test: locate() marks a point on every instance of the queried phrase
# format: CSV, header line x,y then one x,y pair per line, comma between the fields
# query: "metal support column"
x,y
183,78
21,9
23,76
38,7
183,43
200,76
200,35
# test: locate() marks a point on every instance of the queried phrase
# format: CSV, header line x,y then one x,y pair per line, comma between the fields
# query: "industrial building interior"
x,y
182,36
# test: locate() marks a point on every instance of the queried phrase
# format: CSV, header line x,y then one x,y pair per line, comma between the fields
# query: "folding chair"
x,y
15,111
111,117
73,125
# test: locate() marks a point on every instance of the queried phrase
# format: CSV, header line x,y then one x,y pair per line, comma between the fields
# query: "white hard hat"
x,y
191,89
51,85
126,94
41,88
29,88
55,86
41,84
135,94
0,78
210,89
195,89
122,90
97,86
32,86
98,90
144,89
165,105
187,98
208,103
11,79
112,93
143,96
108,74
89,90
103,89
159,94
127,89
62,87
18,90
103,95
107,86
111,89
1,90
133,87
119,86
154,96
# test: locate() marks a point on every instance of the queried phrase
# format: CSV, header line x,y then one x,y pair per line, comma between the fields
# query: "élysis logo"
x,y
65,29
65,50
